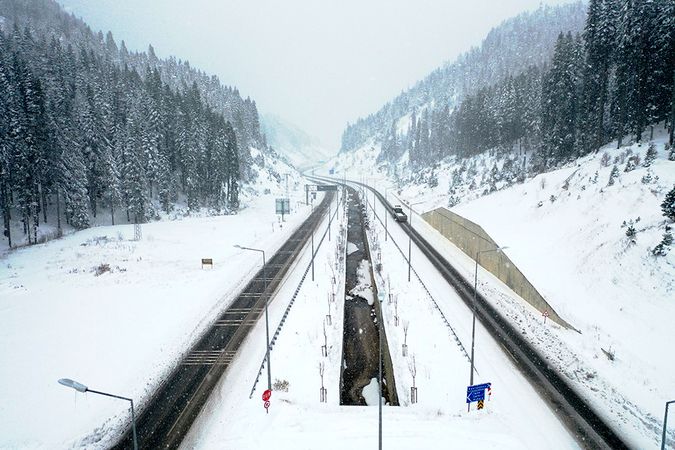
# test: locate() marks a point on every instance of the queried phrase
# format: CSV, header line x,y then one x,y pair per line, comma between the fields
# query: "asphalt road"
x,y
165,419
590,430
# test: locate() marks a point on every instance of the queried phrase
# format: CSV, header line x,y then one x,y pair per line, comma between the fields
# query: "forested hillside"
x,y
612,79
89,128
519,42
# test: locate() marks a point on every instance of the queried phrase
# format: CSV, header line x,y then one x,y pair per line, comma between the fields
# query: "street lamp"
x,y
79,387
410,205
475,291
267,323
386,213
665,420
380,297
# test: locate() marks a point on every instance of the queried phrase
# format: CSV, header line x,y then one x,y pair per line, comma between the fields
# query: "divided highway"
x,y
166,418
580,418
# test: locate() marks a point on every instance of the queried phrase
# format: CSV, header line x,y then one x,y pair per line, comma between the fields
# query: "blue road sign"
x,y
474,396
476,392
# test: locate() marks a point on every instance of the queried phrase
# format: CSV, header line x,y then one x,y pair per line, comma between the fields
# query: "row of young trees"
x,y
82,132
614,80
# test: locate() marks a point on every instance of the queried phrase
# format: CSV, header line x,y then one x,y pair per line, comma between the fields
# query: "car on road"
x,y
398,214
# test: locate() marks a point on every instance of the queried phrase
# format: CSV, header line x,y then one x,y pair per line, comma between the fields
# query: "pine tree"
x,y
668,205
613,175
599,37
650,157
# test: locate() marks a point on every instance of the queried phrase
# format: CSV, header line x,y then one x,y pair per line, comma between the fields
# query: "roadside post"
x,y
266,396
665,421
476,393
380,324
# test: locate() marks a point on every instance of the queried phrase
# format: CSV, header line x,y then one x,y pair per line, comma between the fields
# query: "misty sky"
x,y
316,63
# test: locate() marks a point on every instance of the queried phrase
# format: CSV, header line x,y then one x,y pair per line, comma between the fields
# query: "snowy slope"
x,y
301,149
123,330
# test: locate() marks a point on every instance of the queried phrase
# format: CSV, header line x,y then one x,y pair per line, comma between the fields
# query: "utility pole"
x,y
312,256
665,421
381,297
330,219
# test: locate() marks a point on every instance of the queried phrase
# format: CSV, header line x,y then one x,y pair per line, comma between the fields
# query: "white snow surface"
x,y
363,286
370,393
123,330
351,248
564,231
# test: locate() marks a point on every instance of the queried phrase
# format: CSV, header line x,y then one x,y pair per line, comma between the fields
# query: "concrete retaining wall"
x,y
471,238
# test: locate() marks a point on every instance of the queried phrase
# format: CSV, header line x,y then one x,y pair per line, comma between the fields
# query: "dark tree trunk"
x,y
43,197
672,112
58,213
5,213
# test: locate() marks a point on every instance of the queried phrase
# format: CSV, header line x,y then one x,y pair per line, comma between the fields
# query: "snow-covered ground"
x,y
120,330
514,418
564,231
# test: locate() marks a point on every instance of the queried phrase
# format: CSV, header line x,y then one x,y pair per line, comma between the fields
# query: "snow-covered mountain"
x,y
94,134
301,149
509,49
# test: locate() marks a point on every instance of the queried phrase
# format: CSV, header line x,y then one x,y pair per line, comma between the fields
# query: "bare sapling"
x,y
323,393
412,367
406,326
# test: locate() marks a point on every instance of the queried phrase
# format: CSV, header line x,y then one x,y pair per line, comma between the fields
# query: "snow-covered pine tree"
x,y
668,205
650,157
612,176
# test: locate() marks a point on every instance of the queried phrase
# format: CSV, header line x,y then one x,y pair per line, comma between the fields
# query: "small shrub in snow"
x,y
280,385
433,180
630,234
646,179
605,160
671,155
552,198
521,177
664,245
540,204
632,163
101,269
453,201
610,354
613,175
630,231
650,157
542,183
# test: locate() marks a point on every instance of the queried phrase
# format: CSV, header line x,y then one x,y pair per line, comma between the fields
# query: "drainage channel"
x,y
360,345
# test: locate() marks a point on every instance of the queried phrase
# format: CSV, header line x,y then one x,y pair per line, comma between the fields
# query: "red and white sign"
x,y
545,314
266,399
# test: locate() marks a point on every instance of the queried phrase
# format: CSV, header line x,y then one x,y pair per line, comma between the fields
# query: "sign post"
x,y
476,393
545,314
283,206
266,399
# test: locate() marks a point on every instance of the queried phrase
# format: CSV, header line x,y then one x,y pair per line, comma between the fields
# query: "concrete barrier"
x,y
471,239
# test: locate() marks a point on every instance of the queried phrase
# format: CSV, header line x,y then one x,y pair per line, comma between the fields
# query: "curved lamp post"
x,y
79,387
380,296
267,324
475,291
410,205
665,421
